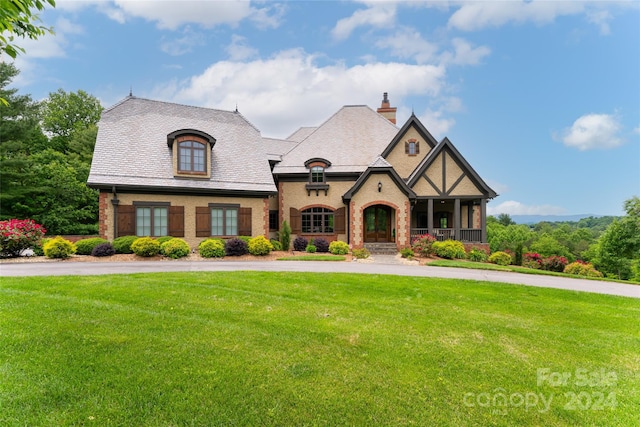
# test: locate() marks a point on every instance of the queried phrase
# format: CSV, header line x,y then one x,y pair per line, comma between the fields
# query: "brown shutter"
x,y
244,222
176,221
126,220
406,147
417,147
296,220
203,221
338,221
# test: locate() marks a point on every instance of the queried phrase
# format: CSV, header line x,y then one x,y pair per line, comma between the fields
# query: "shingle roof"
x,y
276,148
350,139
131,148
301,134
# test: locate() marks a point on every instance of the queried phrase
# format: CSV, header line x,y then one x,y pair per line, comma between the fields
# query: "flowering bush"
x,y
554,263
260,246
581,268
532,260
422,245
17,235
450,249
338,248
175,248
59,248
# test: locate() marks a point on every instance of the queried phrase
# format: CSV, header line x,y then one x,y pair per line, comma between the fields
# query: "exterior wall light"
x,y
379,186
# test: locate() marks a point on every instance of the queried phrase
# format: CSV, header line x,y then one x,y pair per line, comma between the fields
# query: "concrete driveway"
x,y
94,268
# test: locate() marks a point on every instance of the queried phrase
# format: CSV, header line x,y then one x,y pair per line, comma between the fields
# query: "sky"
x,y
541,97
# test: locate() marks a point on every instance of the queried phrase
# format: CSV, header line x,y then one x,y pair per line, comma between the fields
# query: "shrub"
x,y
477,255
260,246
211,248
38,249
17,235
582,269
245,239
300,244
532,260
85,246
338,248
311,248
236,247
321,244
554,263
422,245
122,244
175,248
59,248
145,247
285,235
361,253
277,246
500,258
162,240
103,249
450,249
407,253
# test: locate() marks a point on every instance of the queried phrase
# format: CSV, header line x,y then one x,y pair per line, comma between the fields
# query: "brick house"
x,y
191,172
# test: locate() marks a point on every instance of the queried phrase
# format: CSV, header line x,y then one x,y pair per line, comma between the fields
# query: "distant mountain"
x,y
534,219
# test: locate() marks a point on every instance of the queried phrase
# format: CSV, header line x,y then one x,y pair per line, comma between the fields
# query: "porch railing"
x,y
466,234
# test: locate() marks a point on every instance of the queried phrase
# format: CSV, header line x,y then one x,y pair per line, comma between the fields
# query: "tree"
x,y
505,219
18,19
65,114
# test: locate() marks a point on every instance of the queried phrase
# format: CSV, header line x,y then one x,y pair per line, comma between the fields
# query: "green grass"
x,y
517,269
256,348
314,258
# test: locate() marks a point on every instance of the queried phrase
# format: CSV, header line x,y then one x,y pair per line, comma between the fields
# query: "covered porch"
x,y
463,219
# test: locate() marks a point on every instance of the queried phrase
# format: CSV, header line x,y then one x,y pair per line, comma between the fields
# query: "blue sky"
x,y
541,97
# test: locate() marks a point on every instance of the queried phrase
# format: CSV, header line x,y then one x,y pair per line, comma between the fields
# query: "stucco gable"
x,y
413,131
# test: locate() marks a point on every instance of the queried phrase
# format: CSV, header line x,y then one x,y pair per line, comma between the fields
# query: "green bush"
x,y
260,246
38,248
59,248
245,239
162,240
338,248
122,244
500,258
211,248
277,246
175,248
85,246
407,253
477,255
361,253
145,247
285,236
423,245
311,248
582,269
450,249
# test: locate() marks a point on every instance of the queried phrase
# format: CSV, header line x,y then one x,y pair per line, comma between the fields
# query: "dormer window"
x,y
317,175
192,156
317,178
191,153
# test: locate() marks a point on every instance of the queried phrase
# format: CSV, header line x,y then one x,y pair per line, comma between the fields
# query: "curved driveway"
x,y
94,268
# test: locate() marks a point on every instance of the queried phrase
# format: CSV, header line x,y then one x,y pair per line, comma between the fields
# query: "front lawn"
x,y
257,348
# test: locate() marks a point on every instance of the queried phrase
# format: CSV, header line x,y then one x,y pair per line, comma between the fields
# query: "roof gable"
x,y
378,168
413,121
449,174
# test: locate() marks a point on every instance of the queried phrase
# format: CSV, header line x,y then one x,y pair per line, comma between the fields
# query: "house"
x,y
191,172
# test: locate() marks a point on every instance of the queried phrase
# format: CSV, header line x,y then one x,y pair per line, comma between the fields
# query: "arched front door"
x,y
377,224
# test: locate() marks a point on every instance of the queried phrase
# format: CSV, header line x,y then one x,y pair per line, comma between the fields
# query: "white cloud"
x,y
378,15
291,87
408,43
601,18
464,53
513,207
239,50
593,131
181,45
437,123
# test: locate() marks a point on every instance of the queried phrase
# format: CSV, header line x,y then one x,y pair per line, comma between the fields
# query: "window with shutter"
x,y
295,221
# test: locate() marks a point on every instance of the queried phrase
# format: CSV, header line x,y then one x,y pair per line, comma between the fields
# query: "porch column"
x,y
483,219
430,216
456,219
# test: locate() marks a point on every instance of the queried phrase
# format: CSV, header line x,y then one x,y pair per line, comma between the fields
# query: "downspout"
x,y
115,203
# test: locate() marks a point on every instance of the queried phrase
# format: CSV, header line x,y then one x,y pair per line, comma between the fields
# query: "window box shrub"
x,y
86,246
175,248
236,247
260,246
211,248
300,244
103,249
59,248
122,244
338,248
145,247
500,258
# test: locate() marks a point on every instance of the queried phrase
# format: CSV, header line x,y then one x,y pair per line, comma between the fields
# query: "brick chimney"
x,y
386,110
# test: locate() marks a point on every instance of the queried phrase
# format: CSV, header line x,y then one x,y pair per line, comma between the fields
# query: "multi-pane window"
x,y
273,220
317,220
151,221
192,157
317,174
224,221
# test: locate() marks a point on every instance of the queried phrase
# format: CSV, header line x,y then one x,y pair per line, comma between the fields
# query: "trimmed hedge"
x,y
338,248
86,246
122,244
236,247
450,249
103,249
59,248
321,244
260,246
500,258
300,244
211,248
145,247
175,248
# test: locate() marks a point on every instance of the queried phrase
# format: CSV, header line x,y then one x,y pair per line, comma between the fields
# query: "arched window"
x,y
317,220
192,157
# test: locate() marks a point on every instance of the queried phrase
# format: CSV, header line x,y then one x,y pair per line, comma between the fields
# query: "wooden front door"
x,y
377,224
